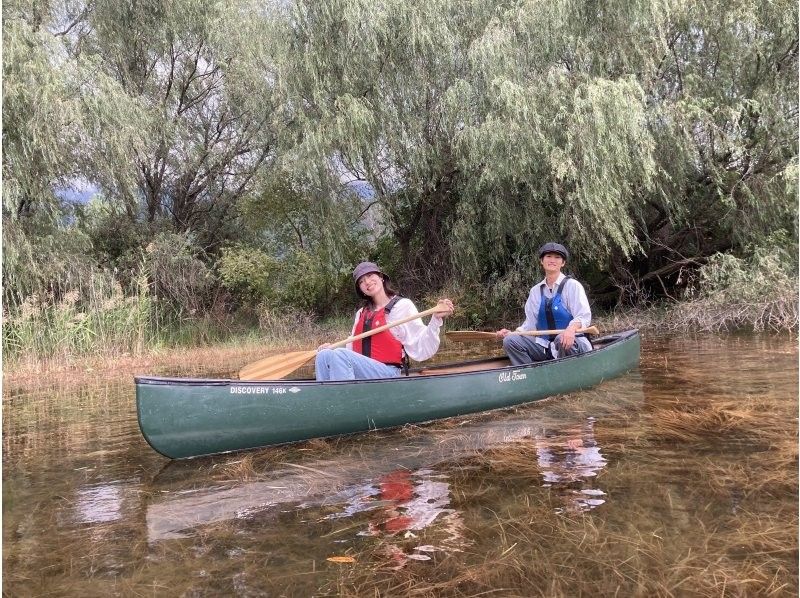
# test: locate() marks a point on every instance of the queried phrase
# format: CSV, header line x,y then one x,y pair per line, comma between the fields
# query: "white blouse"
x,y
419,341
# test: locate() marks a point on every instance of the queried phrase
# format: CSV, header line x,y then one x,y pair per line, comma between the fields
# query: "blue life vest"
x,y
553,314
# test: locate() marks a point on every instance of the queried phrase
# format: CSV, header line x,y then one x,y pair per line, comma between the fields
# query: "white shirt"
x,y
573,296
419,341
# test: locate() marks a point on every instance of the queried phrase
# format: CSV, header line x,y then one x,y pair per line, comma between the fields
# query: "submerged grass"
x,y
710,500
700,485
532,552
683,422
526,549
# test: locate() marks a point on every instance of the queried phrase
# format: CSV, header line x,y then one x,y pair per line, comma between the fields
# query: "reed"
x,y
105,322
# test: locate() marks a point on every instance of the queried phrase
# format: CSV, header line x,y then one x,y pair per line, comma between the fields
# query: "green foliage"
x,y
53,262
727,279
308,241
298,281
226,141
42,117
64,119
117,243
642,134
306,283
248,273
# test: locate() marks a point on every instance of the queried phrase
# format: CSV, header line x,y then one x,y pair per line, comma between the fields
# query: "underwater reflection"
x,y
405,502
569,458
98,503
350,484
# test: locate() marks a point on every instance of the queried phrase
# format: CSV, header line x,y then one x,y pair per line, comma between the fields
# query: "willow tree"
x,y
55,110
199,70
369,85
723,111
560,148
625,129
166,109
484,128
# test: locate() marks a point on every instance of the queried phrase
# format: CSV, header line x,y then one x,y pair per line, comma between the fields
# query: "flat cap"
x,y
554,248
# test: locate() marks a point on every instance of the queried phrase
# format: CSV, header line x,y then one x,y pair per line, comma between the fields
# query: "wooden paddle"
x,y
463,336
278,366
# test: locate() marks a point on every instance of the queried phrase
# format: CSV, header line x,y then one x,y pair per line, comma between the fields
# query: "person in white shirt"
x,y
558,302
382,355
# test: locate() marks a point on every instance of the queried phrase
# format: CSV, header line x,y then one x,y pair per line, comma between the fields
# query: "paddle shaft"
x,y
350,339
476,335
589,330
278,366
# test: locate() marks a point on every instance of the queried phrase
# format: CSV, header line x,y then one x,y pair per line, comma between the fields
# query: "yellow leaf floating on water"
x,y
341,559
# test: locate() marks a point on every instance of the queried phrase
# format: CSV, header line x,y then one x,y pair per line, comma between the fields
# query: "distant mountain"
x,y
80,193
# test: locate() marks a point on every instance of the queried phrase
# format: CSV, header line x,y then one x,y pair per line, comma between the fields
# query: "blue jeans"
x,y
524,349
344,364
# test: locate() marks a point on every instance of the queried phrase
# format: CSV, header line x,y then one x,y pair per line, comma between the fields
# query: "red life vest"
x,y
383,347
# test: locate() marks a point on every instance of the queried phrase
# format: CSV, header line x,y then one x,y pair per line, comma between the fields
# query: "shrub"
x,y
248,273
758,292
177,274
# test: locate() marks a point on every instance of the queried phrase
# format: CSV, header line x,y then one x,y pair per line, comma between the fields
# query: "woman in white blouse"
x,y
382,355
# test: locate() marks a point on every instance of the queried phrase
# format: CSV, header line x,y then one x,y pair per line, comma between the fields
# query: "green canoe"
x,y
185,417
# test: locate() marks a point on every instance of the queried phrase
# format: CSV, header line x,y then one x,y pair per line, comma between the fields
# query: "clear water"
x,y
679,478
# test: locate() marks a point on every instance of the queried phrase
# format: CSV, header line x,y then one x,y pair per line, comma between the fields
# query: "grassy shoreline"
x,y
224,358
219,354
79,370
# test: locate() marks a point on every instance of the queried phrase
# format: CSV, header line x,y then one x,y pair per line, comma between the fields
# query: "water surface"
x,y
679,478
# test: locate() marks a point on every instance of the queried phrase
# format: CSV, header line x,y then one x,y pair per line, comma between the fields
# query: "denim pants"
x,y
344,364
524,349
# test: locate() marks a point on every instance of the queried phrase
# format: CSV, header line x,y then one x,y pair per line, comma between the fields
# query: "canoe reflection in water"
x,y
568,458
405,502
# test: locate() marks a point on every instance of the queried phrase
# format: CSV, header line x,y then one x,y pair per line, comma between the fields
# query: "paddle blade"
x,y
277,366
465,336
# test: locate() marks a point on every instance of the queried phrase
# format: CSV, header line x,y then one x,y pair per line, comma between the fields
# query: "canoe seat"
x,y
460,369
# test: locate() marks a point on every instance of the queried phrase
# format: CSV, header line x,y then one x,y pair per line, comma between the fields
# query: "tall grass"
x,y
101,322
759,294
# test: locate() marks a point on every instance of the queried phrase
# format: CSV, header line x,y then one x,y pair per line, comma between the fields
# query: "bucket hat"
x,y
366,268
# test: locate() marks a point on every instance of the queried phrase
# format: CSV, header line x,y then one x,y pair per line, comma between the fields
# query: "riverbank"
x,y
229,356
179,361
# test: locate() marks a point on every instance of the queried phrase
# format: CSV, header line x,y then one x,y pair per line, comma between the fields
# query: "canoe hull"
x,y
183,418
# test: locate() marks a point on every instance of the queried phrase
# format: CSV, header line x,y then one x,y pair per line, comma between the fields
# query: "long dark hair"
x,y
388,288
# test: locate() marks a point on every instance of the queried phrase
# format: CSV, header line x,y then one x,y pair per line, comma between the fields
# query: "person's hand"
x,y
567,339
444,308
502,333
324,346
